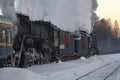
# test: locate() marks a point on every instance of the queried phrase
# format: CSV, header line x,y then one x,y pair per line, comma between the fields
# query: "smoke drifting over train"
x,y
69,15
8,10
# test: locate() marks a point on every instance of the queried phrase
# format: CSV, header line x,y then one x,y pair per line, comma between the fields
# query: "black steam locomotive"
x,y
40,42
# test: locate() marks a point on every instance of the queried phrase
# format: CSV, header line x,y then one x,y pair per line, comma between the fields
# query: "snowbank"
x,y
18,74
61,71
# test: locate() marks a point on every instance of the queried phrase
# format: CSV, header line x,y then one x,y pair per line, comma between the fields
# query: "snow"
x,y
70,15
83,58
17,74
115,76
102,73
64,70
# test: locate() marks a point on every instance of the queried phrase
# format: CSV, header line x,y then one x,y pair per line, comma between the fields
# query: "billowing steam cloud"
x,y
94,17
94,5
8,10
69,15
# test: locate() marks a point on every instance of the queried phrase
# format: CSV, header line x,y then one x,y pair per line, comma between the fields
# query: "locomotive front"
x,y
6,51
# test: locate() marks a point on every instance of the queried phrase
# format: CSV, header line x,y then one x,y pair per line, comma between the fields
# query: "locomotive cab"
x,y
6,52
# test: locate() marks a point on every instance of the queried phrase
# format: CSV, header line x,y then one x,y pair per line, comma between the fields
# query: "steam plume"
x,y
8,10
68,15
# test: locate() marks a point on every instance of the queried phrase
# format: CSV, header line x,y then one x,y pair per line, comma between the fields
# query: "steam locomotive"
x,y
40,42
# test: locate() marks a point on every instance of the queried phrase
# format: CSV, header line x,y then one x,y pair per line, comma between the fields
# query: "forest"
x,y
108,36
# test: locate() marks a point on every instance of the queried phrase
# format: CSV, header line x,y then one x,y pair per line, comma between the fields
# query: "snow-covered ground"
x,y
70,70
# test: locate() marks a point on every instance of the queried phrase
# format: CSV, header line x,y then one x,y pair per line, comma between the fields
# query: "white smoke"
x,y
68,15
94,5
24,6
8,10
0,12
94,18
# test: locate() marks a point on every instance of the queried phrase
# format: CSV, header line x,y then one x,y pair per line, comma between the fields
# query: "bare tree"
x,y
116,28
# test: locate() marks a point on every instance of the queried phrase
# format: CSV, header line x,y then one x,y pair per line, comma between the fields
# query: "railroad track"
x,y
106,77
111,73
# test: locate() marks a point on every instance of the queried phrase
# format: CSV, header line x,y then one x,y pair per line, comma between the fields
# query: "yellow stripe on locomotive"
x,y
6,25
5,44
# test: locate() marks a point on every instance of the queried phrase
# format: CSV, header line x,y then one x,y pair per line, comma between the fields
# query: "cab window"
x,y
8,36
3,36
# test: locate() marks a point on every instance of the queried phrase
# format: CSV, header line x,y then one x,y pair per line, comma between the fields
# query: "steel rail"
x,y
93,71
111,73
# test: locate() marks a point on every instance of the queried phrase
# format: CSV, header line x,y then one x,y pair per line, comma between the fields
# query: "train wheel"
x,y
41,58
16,59
32,57
91,52
29,57
46,58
